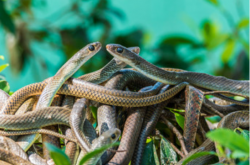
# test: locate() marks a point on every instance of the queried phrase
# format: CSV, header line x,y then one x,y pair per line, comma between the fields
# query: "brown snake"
x,y
197,79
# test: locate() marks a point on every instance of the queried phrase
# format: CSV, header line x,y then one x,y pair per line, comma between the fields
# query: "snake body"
x,y
151,118
197,79
36,119
66,71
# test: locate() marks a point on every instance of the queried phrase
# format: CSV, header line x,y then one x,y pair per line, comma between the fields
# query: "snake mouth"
x,y
109,47
97,45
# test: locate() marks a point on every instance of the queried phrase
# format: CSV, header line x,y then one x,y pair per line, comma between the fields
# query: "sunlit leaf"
x,y
180,119
58,156
94,111
214,119
5,19
176,110
229,139
2,57
228,51
11,93
215,2
2,67
239,98
197,155
217,40
243,23
239,154
4,85
96,152
168,155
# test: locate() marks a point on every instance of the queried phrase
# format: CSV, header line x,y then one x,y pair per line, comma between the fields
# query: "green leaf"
x,y
244,163
228,51
168,155
1,57
239,154
214,119
2,67
197,155
239,98
148,157
244,133
229,139
243,23
217,40
176,110
177,40
11,92
58,156
180,119
96,152
157,162
4,85
94,111
5,19
215,2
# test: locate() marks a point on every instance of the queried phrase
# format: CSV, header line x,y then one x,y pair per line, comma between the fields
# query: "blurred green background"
x,y
38,36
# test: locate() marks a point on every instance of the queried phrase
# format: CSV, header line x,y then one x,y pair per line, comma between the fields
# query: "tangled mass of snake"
x,y
129,103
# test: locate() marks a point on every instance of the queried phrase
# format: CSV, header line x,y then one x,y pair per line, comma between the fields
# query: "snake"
x,y
130,134
106,114
12,158
215,83
77,118
150,120
194,99
108,137
36,159
65,72
36,119
77,91
108,70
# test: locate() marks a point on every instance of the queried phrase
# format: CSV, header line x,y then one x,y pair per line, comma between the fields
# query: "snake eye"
x,y
91,48
113,136
119,50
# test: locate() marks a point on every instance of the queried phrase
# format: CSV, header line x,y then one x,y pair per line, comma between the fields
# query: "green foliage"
x,y
179,118
228,51
215,2
214,119
229,139
243,23
197,155
58,156
5,19
96,152
149,157
4,85
167,154
94,111
159,151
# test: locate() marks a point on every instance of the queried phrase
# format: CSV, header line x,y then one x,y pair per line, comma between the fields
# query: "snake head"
x,y
122,53
108,137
